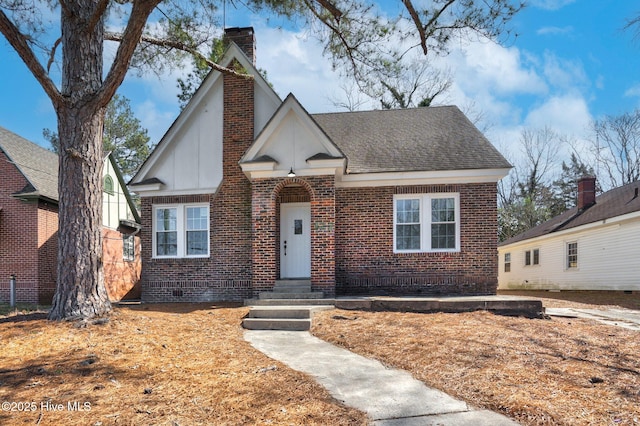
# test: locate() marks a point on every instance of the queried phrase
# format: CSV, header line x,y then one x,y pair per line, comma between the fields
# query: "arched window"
x,y
108,184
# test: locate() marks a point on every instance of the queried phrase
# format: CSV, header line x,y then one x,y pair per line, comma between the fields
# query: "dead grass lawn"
x,y
538,372
154,365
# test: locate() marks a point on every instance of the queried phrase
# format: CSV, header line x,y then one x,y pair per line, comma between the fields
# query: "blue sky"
x,y
571,62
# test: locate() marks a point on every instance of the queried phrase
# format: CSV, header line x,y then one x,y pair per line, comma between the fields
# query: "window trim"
x,y
567,263
181,230
108,185
128,241
530,257
507,262
426,221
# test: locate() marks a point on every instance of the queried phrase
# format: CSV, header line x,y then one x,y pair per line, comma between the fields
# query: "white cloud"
x,y
564,73
633,91
486,67
555,30
294,63
567,114
155,120
550,4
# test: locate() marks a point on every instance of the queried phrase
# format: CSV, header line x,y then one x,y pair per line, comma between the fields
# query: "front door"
x,y
295,240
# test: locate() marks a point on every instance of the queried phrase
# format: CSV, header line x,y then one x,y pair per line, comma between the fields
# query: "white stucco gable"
x,y
292,141
188,159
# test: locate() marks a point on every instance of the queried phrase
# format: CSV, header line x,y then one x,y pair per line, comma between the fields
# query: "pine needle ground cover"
x,y
153,365
560,371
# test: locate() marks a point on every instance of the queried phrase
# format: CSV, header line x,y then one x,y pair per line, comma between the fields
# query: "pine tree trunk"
x,y
80,290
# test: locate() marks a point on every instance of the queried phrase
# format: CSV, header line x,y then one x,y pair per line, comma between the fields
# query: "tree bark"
x,y
80,291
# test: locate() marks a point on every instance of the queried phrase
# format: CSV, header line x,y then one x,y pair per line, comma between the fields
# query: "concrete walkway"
x,y
390,397
626,318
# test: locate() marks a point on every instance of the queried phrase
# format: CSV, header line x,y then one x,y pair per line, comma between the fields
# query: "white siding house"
x,y
595,246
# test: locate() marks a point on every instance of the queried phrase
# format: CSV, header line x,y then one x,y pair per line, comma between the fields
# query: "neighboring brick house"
x,y
246,189
29,224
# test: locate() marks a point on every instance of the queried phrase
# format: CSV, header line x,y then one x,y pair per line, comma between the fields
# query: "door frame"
x,y
285,272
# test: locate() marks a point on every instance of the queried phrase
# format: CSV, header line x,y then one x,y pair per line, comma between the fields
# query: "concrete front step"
x,y
292,286
290,312
289,302
290,324
292,318
290,295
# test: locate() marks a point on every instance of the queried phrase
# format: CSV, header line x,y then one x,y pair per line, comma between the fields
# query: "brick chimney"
x,y
244,38
586,192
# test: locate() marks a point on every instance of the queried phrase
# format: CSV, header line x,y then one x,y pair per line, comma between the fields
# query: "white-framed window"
x,y
532,257
507,262
572,255
128,247
181,230
426,223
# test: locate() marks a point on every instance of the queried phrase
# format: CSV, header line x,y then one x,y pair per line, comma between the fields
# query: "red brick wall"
x,y
18,237
365,262
227,273
47,251
121,277
267,196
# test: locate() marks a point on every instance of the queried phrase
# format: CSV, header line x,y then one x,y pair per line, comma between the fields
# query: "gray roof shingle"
x,y
418,139
38,165
616,202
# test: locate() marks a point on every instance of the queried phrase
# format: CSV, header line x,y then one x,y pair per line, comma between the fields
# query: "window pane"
x,y
197,218
443,210
443,236
128,247
572,255
536,257
408,237
408,211
527,258
197,243
167,243
166,219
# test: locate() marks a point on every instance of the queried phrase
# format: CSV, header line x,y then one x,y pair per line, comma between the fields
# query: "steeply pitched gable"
x,y
188,158
292,141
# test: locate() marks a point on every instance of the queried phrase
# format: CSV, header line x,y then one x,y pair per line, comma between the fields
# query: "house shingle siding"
x,y
418,139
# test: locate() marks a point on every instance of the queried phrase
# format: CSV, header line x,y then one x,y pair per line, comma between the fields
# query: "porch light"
x,y
291,173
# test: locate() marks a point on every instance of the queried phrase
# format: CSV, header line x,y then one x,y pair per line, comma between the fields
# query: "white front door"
x,y
295,240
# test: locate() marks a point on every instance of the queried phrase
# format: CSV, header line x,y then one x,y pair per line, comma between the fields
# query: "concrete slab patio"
x,y
625,318
390,397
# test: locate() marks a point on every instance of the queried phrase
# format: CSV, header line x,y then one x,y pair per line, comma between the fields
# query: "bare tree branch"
x,y
129,40
52,54
337,14
182,47
418,23
19,42
100,9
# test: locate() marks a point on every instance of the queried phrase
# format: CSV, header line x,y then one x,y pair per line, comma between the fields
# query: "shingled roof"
x,y
38,165
418,139
616,202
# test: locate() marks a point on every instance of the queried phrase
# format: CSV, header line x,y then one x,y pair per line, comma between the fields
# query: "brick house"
x,y
246,189
29,224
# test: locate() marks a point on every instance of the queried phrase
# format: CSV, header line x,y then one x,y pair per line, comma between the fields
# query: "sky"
x,y
572,62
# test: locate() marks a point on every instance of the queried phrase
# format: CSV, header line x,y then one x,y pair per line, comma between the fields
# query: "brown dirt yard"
x,y
153,365
555,371
188,364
